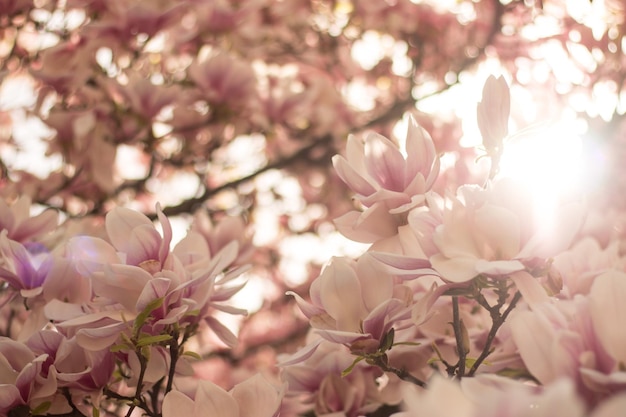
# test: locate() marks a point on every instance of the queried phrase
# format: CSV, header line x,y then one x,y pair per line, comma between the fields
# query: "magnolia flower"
x,y
319,379
20,225
22,381
139,269
70,364
358,305
495,232
386,182
223,78
580,265
580,339
253,397
352,302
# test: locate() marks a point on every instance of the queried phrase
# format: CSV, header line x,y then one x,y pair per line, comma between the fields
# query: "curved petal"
x,y
176,404
257,397
340,294
119,224
212,400
384,162
459,269
351,177
607,306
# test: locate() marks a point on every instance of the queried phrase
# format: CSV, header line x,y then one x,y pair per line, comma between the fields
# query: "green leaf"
x,y
351,367
145,352
41,408
153,340
387,342
407,344
120,347
192,354
469,362
142,317
95,412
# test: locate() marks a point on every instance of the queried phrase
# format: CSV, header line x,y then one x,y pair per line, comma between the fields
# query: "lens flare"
x,y
548,161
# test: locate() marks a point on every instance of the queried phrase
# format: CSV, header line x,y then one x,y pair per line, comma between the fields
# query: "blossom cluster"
x,y
101,322
471,303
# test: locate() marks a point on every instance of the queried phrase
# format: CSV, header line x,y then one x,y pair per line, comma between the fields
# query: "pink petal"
x,y
498,231
351,177
120,223
376,286
308,309
607,306
257,397
211,400
454,269
498,268
90,253
340,293
420,150
222,332
384,162
405,267
164,248
176,404
341,337
301,355
156,288
534,338
531,290
369,226
142,245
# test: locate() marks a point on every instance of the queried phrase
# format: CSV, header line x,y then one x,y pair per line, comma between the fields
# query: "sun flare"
x,y
550,162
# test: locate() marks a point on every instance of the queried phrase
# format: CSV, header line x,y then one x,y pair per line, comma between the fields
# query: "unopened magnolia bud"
x,y
493,113
554,282
465,340
364,347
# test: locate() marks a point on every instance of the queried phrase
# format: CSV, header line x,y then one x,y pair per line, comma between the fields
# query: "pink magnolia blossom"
x,y
253,397
20,225
318,383
496,232
70,364
350,303
137,269
579,266
578,339
224,79
387,184
34,273
22,380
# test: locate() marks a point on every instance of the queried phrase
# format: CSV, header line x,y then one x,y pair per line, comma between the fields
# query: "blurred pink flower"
x,y
224,79
491,396
16,219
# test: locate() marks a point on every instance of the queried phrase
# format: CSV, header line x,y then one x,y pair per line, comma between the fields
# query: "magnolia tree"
x,y
176,176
